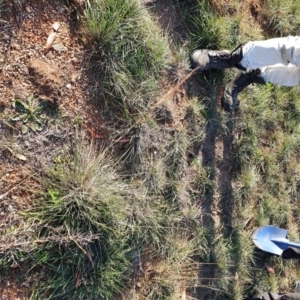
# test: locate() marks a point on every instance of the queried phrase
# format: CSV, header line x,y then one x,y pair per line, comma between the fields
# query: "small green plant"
x,y
30,113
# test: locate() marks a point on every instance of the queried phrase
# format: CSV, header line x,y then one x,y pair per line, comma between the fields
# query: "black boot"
x,y
243,79
211,59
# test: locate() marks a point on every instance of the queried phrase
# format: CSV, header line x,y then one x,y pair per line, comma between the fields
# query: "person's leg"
x,y
243,79
281,75
283,51
275,296
251,55
290,296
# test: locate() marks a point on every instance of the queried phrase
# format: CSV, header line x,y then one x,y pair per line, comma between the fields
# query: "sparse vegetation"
x,y
164,204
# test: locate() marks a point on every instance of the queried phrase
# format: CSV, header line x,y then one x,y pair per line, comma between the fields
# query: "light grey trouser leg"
x,y
281,75
275,296
259,54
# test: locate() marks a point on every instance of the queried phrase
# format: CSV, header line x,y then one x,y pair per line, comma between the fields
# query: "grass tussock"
x,y
85,201
129,50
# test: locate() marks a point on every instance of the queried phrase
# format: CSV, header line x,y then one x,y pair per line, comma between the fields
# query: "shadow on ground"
x,y
218,206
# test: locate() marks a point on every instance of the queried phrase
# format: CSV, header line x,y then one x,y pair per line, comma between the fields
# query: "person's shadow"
x,y
215,153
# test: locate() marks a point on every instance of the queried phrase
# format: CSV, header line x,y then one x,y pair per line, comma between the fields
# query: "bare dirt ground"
x,y
56,77
59,77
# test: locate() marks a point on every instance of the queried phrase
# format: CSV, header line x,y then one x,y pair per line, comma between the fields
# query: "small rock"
x,y
59,48
55,26
69,86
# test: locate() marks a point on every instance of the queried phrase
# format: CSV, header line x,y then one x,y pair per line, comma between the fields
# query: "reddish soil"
x,y
57,77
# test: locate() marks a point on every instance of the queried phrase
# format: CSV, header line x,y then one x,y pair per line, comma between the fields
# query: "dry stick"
x,y
164,98
175,88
